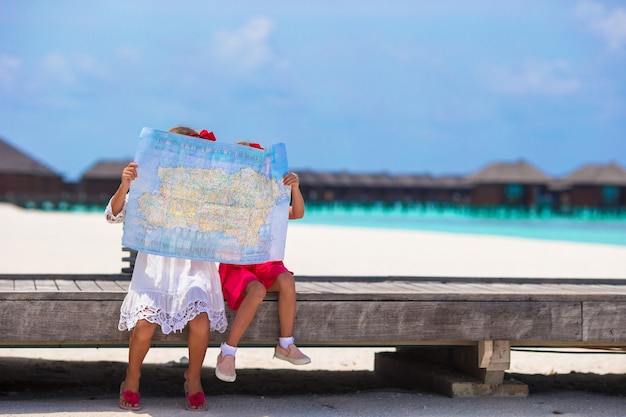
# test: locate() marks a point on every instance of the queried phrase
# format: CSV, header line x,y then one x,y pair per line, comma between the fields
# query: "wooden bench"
x,y
435,323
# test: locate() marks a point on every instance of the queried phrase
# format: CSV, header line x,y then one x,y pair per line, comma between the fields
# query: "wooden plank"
x,y
109,286
501,357
432,288
325,287
604,321
351,291
6,285
305,287
61,297
123,285
24,285
46,285
69,321
409,322
346,287
317,323
485,352
397,323
66,285
89,277
467,359
386,287
340,313
88,286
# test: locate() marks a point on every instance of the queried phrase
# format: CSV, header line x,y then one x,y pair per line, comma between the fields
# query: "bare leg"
x,y
138,347
253,296
285,286
197,342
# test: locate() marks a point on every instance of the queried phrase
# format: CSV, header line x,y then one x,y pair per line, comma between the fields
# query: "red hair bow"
x,y
205,134
256,145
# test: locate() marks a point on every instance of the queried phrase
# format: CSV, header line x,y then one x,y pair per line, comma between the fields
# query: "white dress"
x,y
170,291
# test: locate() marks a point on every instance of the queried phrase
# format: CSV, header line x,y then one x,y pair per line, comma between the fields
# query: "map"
x,y
210,201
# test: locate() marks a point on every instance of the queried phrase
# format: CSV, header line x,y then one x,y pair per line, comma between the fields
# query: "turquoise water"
x,y
587,227
581,226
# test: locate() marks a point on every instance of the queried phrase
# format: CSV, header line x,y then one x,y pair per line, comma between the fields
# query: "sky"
x,y
396,87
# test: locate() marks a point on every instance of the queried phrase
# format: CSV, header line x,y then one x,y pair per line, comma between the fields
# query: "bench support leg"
x,y
456,371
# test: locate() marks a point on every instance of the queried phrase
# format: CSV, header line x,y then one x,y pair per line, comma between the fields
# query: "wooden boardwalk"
x,y
58,310
466,325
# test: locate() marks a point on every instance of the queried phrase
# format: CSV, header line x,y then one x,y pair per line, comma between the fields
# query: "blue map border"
x,y
157,149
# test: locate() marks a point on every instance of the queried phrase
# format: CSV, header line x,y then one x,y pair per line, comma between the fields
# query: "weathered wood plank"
x,y
66,285
339,313
385,288
123,285
24,285
340,291
604,321
346,287
46,285
411,322
61,297
87,277
6,285
317,323
108,285
88,286
306,287
325,287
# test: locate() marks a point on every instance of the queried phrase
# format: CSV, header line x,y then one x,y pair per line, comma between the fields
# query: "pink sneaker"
x,y
225,368
292,355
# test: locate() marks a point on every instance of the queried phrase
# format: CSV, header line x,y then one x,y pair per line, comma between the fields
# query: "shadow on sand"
x,y
22,378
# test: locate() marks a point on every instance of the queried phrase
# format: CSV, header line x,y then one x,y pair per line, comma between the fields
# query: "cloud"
x,y
74,69
535,78
8,69
58,68
61,80
128,54
610,25
248,48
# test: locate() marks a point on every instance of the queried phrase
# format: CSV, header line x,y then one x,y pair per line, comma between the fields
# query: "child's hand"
x,y
291,179
129,173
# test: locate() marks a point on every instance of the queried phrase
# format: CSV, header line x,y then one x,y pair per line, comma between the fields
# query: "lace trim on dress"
x,y
108,212
173,322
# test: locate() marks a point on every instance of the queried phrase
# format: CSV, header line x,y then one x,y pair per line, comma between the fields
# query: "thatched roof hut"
x,y
23,177
381,187
596,185
598,174
520,172
100,181
512,184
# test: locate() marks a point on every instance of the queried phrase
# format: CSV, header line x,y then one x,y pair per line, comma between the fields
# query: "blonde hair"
x,y
183,130
243,142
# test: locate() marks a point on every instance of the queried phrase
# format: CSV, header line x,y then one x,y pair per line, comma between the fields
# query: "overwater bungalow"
x,y
24,179
325,186
595,185
100,181
382,187
516,184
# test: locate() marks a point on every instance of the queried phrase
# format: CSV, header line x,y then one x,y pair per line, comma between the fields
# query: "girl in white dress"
x,y
171,293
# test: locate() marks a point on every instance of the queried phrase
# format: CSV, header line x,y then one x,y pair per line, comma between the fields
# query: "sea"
x,y
584,225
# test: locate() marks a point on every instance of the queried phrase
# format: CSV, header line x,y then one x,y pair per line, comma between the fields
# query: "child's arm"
x,y
296,210
117,201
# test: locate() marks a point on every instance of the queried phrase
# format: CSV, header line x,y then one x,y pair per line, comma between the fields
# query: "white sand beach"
x,y
36,242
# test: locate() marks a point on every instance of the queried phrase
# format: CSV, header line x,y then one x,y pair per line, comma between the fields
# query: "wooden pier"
x,y
467,324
